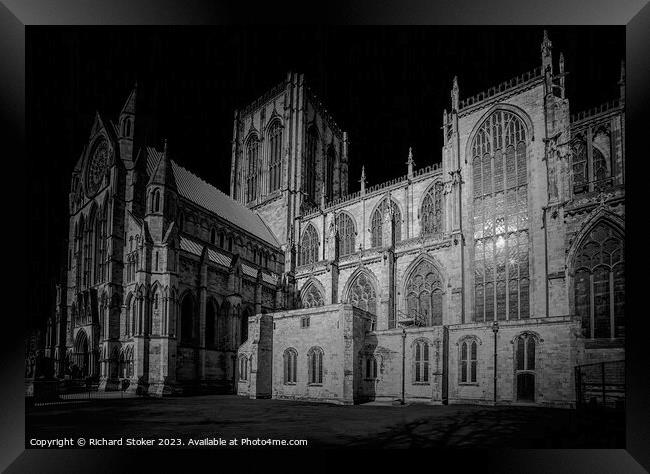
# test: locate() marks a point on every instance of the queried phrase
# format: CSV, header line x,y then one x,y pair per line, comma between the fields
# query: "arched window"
x,y
468,361
309,246
500,180
431,212
311,296
315,361
591,161
377,222
187,320
211,324
243,368
424,295
290,366
362,294
155,200
275,155
371,367
599,285
252,151
329,172
421,361
310,164
345,229
525,367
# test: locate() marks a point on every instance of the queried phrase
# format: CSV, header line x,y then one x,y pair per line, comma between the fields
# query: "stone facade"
x,y
500,267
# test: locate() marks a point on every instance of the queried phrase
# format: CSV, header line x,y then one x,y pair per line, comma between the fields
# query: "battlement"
x,y
268,95
615,104
377,188
518,81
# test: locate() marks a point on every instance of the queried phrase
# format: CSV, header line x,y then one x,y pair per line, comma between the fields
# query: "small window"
x,y
304,322
371,367
213,236
468,361
290,363
315,360
243,368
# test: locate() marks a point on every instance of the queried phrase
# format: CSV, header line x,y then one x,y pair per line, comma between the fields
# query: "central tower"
x,y
287,152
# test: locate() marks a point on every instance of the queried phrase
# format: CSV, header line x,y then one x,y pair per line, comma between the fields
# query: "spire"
x,y
621,81
410,163
363,179
454,94
129,105
164,174
547,57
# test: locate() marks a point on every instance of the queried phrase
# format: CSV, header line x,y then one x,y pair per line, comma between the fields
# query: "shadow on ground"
x,y
229,416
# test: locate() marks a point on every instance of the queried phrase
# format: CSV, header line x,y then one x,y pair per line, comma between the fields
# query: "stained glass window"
x,y
309,246
311,296
290,363
599,283
252,150
377,222
424,295
499,175
468,361
431,212
362,294
421,361
315,368
275,156
345,229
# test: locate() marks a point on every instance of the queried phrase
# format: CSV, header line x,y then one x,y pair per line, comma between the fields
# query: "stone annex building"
x,y
501,267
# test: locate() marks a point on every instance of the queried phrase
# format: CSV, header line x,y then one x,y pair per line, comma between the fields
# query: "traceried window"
x,y
290,366
599,285
329,172
311,296
591,160
421,361
362,294
468,361
315,368
525,366
310,164
431,212
252,152
499,171
377,222
424,295
275,156
309,246
345,229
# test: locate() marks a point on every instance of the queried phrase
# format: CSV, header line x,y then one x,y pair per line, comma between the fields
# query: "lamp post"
x,y
495,330
403,364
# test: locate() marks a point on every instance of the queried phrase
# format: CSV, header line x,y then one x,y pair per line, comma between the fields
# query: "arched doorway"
x,y
81,366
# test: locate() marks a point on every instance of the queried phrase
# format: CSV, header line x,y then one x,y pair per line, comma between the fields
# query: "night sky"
x,y
385,86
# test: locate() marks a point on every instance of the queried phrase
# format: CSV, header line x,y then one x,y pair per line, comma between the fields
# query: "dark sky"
x,y
386,86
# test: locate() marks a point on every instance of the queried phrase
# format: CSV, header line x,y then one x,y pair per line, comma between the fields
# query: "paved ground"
x,y
229,416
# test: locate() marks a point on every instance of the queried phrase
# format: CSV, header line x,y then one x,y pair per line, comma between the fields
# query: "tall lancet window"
x,y
431,212
499,171
345,228
275,156
599,285
329,172
309,171
252,150
309,246
377,221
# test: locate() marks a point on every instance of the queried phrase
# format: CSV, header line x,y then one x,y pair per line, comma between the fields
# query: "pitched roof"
x,y
205,195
